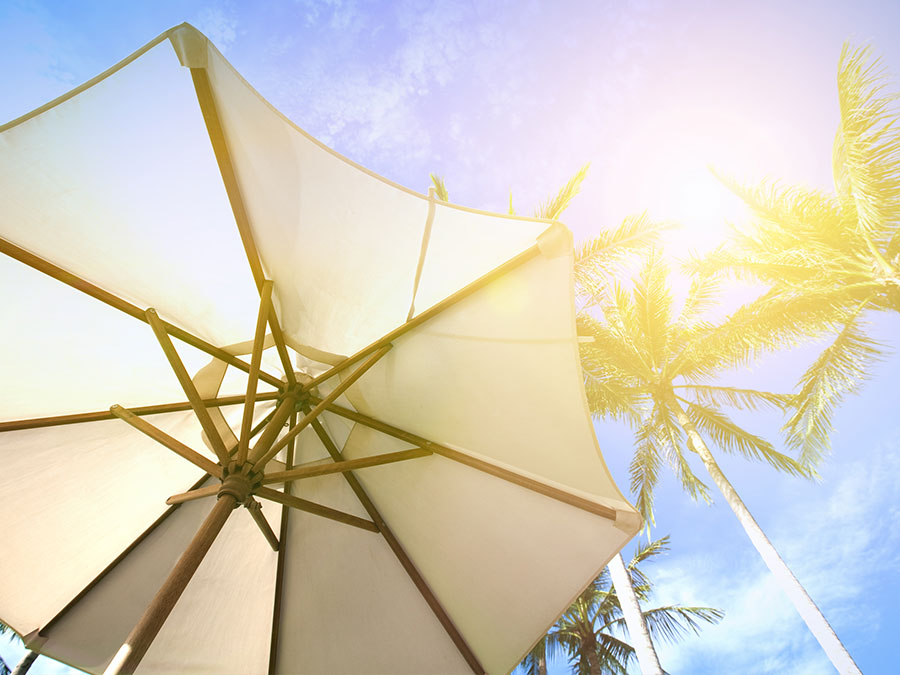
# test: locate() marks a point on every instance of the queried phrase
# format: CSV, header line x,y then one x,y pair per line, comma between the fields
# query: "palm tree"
x,y
656,370
587,632
24,663
837,256
597,261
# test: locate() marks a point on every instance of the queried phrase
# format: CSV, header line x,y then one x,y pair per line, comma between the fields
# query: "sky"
x,y
506,100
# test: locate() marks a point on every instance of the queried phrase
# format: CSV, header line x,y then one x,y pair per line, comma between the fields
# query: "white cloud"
x,y
219,25
837,544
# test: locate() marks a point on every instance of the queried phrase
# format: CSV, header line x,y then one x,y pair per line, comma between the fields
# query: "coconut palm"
x,y
24,663
837,256
589,632
597,261
657,371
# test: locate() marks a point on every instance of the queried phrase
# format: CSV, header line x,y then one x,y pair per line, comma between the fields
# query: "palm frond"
x,y
867,147
644,469
673,622
839,370
440,190
598,258
674,443
733,439
736,397
653,307
554,207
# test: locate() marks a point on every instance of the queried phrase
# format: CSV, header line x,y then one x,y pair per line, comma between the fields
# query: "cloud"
x,y
218,25
838,543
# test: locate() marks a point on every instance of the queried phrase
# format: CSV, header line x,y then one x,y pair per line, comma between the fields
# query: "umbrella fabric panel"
x,y
503,561
82,494
498,375
220,625
350,606
340,244
119,184
464,245
64,352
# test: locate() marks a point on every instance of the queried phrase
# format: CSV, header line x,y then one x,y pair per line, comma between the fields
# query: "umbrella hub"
x,y
240,482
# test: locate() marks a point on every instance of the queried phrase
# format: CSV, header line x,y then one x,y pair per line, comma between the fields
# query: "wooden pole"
x,y
139,640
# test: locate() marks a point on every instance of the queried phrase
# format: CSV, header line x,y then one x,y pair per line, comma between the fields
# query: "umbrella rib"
x,y
101,415
429,313
279,565
184,379
477,463
255,509
402,557
119,558
219,142
259,338
260,459
315,509
319,469
191,495
164,439
76,282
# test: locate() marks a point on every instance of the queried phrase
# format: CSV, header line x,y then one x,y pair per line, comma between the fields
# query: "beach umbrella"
x,y
390,390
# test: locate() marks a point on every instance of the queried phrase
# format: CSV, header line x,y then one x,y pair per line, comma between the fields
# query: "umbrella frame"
x,y
241,469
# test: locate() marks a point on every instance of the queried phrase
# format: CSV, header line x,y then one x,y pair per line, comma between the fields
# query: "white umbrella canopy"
x,y
396,379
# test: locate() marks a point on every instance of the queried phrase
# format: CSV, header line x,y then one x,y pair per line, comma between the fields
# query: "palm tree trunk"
x,y
25,663
823,632
634,619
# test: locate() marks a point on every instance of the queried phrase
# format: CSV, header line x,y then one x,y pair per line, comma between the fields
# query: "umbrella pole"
x,y
138,642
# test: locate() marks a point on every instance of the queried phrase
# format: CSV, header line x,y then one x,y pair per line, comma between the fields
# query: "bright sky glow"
x,y
515,96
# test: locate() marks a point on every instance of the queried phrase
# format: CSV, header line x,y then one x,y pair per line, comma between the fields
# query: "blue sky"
x,y
513,97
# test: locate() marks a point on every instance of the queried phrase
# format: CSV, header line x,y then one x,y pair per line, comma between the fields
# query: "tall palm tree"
x,y
597,261
837,256
588,633
657,370
24,663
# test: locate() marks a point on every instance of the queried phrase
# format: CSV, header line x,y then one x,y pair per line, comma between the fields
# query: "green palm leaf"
x,y
733,439
838,371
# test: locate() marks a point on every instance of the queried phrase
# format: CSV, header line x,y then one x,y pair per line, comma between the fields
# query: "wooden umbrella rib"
x,y
219,142
319,469
76,282
259,460
255,509
45,629
210,112
524,257
402,557
184,379
274,427
259,338
477,463
101,415
191,495
316,509
279,565
167,441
